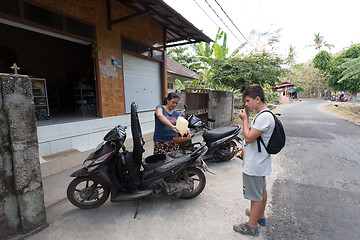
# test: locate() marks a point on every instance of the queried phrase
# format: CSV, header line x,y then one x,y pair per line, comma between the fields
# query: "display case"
x,y
40,98
85,99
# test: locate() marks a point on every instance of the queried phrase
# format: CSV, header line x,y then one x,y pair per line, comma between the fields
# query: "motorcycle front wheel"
x,y
84,193
196,181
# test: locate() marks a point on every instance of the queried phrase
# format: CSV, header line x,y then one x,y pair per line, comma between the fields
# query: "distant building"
x,y
285,89
177,71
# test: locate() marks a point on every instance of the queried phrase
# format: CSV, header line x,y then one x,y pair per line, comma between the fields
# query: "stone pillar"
x,y
22,208
221,107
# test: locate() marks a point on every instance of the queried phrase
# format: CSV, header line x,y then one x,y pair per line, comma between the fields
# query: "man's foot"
x,y
246,229
261,221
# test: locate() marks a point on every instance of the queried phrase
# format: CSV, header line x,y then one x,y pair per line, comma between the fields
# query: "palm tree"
x,y
290,59
319,41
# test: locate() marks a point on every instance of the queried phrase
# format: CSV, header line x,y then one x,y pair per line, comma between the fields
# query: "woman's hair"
x,y
171,96
254,91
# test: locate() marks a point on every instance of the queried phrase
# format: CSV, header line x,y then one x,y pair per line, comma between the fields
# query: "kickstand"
x,y
137,208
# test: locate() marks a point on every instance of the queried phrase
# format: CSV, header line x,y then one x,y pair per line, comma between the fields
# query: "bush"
x,y
272,98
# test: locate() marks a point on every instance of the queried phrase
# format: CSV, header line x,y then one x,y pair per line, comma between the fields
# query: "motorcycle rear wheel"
x,y
83,194
197,182
228,151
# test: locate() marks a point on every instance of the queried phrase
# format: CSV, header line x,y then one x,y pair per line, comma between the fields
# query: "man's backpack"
x,y
277,139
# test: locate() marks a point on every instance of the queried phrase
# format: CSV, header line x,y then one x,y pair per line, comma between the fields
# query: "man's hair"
x,y
254,91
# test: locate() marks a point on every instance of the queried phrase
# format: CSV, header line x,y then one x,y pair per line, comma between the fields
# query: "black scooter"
x,y
221,142
112,169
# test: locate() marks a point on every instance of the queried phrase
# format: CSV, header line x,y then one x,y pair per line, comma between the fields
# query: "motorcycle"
x,y
221,142
111,169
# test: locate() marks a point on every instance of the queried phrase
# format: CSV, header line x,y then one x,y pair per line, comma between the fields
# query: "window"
x,y
42,16
170,86
10,7
145,51
129,45
149,52
158,55
75,27
49,18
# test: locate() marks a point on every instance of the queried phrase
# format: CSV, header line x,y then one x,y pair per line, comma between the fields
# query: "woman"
x,y
165,120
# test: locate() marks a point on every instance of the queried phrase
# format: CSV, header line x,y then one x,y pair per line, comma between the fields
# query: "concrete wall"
x,y
221,105
22,207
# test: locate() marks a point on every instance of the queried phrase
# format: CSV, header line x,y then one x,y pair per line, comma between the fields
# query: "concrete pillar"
x,y
221,107
22,208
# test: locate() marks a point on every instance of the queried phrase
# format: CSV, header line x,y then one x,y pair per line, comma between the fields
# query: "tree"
x,y
261,68
184,56
319,41
208,53
312,81
290,59
322,61
351,83
351,69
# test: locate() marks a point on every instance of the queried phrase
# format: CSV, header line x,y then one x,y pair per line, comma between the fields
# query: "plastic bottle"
x,y
182,125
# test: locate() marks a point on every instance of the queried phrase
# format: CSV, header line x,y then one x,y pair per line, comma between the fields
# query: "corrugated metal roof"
x,y
176,68
177,27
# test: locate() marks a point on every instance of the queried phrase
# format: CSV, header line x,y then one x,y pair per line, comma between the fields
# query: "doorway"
x,y
67,67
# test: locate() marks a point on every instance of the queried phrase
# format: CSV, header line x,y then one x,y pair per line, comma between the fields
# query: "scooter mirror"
x,y
211,120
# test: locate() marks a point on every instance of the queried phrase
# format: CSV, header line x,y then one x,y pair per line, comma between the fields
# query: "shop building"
x,y
89,59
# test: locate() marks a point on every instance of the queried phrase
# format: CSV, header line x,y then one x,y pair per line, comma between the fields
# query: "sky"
x,y
336,21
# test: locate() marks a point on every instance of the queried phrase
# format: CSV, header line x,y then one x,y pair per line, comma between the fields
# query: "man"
x,y
256,164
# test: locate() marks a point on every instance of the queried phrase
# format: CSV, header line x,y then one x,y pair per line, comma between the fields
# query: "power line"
x,y
206,14
233,23
222,21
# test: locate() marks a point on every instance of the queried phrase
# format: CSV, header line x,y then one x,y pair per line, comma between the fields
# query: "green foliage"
x,y
271,97
352,83
308,80
190,84
290,59
322,61
184,56
351,69
299,89
257,68
179,85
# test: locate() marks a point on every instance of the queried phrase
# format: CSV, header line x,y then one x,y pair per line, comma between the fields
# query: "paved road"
x,y
314,193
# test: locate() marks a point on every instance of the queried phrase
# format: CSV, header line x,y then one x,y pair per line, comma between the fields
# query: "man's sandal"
x,y
261,221
246,229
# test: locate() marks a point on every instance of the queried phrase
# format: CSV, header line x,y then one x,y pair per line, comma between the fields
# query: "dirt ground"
x,y
348,111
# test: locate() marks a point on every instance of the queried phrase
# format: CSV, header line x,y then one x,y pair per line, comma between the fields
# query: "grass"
x,y
348,111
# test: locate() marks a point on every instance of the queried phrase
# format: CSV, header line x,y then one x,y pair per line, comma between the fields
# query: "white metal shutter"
x,y
142,82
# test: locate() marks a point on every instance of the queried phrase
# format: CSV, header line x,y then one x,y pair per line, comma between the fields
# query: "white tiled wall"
x,y
86,135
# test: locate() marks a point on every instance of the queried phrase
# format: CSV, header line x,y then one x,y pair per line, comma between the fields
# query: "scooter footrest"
x,y
123,197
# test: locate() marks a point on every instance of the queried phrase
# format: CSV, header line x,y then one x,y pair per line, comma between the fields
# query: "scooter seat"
x,y
154,161
218,133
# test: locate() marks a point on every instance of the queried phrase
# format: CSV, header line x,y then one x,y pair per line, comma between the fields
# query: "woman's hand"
x,y
174,128
188,133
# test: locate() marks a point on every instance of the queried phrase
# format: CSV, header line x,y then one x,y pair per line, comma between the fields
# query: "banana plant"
x,y
351,69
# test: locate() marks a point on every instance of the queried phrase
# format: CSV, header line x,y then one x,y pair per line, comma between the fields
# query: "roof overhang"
x,y
179,31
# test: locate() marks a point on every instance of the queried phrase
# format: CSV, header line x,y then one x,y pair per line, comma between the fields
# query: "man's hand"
x,y
242,114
